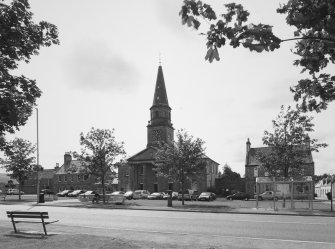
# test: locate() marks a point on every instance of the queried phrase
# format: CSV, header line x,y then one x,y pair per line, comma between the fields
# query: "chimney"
x,y
248,145
57,167
247,154
67,161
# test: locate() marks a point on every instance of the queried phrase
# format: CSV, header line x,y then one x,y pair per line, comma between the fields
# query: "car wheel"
x,y
246,199
260,198
230,199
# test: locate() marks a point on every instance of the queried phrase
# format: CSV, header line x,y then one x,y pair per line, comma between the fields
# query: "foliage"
x,y
182,160
289,143
314,21
20,38
19,162
229,180
99,151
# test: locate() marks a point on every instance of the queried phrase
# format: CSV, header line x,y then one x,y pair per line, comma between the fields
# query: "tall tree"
x,y
314,21
98,154
19,162
288,143
20,38
182,160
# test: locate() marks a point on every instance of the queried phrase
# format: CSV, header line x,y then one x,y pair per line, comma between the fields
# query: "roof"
x,y
160,96
48,173
252,158
143,156
4,178
75,167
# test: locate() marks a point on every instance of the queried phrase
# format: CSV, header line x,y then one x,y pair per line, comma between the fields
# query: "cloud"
x,y
97,67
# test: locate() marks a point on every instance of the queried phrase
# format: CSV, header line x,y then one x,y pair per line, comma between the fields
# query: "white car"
x,y
14,191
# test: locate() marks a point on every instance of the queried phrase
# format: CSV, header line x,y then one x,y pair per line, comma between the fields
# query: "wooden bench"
x,y
29,217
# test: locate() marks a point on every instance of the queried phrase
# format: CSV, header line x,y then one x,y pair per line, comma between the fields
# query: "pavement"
x,y
218,206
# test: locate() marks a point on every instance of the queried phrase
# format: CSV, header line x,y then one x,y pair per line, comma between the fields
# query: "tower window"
x,y
156,113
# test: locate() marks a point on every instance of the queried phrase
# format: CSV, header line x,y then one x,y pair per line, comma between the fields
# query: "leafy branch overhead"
x,y
314,36
20,38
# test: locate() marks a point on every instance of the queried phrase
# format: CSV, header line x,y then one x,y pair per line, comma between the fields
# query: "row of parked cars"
x,y
267,195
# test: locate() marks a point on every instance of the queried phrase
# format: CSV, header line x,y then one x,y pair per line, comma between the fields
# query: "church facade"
x,y
139,172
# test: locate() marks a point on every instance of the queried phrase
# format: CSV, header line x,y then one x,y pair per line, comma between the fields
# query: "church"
x,y
139,172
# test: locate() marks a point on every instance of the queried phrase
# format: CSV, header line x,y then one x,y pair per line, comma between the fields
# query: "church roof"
x,y
252,155
146,155
160,96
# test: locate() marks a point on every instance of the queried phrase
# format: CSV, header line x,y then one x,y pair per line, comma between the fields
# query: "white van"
x,y
141,194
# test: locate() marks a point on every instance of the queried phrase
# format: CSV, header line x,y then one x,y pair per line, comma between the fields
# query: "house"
x,y
323,187
254,169
45,181
139,172
71,176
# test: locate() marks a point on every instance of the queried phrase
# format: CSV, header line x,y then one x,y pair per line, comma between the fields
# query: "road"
x,y
188,229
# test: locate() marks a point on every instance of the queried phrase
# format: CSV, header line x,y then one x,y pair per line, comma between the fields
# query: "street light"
x,y
37,159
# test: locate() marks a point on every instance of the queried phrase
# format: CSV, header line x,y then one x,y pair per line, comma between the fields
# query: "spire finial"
x,y
159,58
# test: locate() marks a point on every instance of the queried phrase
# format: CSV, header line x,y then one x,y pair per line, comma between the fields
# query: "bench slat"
x,y
28,216
25,212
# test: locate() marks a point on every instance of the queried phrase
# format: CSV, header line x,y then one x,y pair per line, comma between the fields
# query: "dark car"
x,y
206,196
238,196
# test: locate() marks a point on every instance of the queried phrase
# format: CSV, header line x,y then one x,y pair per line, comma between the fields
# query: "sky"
x,y
103,75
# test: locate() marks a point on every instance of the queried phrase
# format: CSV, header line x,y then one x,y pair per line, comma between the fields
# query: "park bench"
x,y
29,217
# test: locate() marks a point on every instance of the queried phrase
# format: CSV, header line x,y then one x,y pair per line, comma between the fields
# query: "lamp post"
x,y
37,159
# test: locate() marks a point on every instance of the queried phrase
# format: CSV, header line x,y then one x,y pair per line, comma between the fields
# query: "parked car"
x,y
238,196
64,193
141,194
155,196
116,197
75,193
87,196
14,191
47,192
206,196
268,195
129,195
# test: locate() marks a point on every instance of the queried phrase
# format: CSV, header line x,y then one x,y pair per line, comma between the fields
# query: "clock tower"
x,y
160,127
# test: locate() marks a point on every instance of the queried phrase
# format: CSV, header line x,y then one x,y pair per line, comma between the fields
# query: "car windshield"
x,y
128,192
137,192
155,194
205,193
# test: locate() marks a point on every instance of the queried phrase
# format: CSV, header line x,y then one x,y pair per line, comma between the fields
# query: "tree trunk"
x,y
182,193
19,191
103,188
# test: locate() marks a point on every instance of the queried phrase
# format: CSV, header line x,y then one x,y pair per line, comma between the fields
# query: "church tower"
x,y
160,127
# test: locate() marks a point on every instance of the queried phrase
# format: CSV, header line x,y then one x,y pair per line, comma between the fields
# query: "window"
x,y
72,178
65,178
170,185
59,178
155,187
255,171
85,177
141,186
78,178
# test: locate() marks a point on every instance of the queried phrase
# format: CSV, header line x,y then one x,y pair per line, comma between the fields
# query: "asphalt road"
x,y
187,229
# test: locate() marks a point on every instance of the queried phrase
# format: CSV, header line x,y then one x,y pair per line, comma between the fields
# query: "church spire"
x,y
160,96
160,127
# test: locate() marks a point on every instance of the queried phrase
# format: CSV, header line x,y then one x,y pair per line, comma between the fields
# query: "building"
x,y
323,187
71,176
45,181
139,171
254,169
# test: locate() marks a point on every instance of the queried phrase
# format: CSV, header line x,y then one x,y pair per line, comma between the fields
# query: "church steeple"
x,y
160,96
160,127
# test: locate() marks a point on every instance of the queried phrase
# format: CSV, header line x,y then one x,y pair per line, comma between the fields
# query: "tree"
x,y
19,161
181,160
229,180
288,143
98,153
20,38
314,21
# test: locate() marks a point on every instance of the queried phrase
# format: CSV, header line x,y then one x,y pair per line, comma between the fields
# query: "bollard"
x,y
169,198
